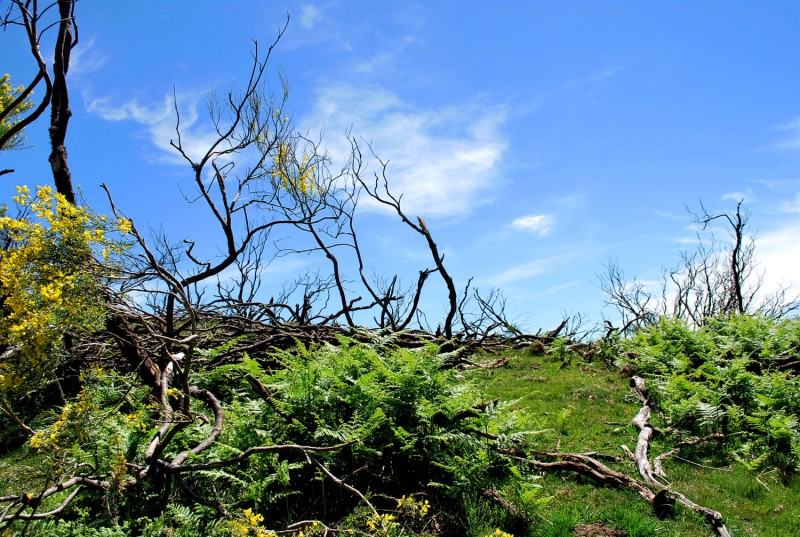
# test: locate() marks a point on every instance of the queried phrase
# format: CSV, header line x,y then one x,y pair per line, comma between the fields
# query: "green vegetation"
x,y
587,407
416,439
376,432
733,376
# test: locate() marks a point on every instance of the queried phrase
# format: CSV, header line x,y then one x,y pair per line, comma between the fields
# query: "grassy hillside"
x,y
370,439
587,407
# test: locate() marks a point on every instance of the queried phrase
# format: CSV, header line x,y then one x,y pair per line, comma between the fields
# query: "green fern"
x,y
718,378
709,416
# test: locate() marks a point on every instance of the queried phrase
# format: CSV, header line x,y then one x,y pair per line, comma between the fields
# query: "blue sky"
x,y
538,140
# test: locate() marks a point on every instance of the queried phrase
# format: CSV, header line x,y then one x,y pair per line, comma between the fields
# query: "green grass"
x,y
587,408
20,470
577,408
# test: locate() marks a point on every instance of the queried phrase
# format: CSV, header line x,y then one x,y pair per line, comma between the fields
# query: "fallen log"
x,y
588,467
642,422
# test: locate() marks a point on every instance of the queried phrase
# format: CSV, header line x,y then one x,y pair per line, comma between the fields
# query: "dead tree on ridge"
x,y
718,278
28,15
378,189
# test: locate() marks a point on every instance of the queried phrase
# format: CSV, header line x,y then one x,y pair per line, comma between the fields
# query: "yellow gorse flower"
x,y
70,428
380,524
47,280
8,94
409,504
298,178
499,533
249,523
125,225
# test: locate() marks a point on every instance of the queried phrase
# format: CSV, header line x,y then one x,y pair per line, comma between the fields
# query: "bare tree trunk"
x,y
741,260
31,18
59,110
131,349
736,261
393,202
438,259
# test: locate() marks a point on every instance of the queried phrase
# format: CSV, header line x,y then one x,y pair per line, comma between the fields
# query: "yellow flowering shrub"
x,y
249,523
8,94
381,524
407,504
499,533
296,177
93,428
119,464
137,420
72,426
49,283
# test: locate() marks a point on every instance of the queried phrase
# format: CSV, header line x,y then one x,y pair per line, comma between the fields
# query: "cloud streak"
x,y
86,58
444,161
159,122
531,269
792,206
539,224
792,141
309,16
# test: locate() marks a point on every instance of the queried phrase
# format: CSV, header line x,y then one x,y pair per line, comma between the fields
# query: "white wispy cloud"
x,y
309,16
791,140
540,224
86,58
791,206
444,161
591,78
778,184
778,252
158,121
385,59
736,196
530,269
556,289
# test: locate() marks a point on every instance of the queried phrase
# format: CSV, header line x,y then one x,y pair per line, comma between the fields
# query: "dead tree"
x,y
320,205
722,277
378,189
632,300
159,338
256,176
487,318
238,294
740,289
34,20
253,136
718,278
239,203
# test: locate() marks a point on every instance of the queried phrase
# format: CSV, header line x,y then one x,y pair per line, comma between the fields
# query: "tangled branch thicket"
x,y
719,278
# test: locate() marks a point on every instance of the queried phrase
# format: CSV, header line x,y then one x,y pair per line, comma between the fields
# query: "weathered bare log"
x,y
642,422
587,467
